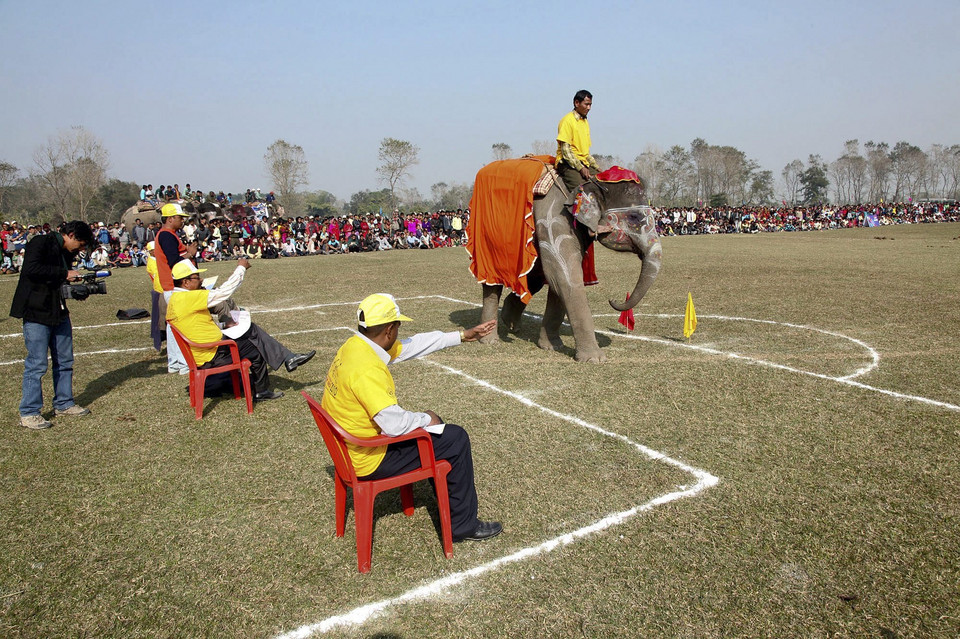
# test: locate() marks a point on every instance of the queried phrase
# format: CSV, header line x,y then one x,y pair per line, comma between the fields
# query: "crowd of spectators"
x,y
714,220
259,236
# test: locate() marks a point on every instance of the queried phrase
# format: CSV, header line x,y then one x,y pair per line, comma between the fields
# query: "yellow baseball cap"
x,y
169,210
377,309
184,268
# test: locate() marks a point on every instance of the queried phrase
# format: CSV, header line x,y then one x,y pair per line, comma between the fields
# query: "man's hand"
x,y
73,275
478,331
191,249
585,173
244,262
434,418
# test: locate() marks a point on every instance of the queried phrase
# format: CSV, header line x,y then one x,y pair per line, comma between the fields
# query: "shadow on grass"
x,y
101,386
529,330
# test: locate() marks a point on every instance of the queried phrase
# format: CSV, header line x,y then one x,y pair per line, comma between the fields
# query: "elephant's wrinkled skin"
x,y
622,222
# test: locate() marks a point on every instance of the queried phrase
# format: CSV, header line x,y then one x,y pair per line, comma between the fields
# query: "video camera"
x,y
92,284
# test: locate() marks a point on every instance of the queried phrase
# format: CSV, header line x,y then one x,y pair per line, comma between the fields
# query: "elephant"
x,y
202,212
613,213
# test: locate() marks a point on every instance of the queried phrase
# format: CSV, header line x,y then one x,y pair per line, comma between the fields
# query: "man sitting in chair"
x,y
189,312
359,394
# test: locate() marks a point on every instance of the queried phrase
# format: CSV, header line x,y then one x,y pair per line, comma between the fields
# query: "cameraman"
x,y
47,264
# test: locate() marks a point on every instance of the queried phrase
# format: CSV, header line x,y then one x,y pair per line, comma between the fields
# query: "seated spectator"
x,y
189,312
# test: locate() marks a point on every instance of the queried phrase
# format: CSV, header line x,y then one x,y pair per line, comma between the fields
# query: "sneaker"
x,y
34,422
73,411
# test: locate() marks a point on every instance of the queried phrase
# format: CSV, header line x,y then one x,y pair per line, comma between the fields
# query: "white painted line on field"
x,y
83,328
363,613
846,379
874,355
103,352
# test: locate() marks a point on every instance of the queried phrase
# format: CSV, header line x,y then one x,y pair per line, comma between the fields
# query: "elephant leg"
x,y
491,302
512,313
552,320
564,273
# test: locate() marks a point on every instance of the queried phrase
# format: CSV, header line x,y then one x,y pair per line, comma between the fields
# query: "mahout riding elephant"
x,y
614,214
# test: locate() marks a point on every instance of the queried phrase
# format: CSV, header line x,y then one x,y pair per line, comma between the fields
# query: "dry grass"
x,y
836,512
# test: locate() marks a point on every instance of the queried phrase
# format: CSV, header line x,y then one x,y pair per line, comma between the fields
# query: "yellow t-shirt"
x,y
575,131
188,312
152,272
359,386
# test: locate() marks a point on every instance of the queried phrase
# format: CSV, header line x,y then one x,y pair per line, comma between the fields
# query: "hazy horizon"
x,y
183,93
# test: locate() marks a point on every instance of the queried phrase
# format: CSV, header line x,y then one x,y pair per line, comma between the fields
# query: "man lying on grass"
x,y
359,394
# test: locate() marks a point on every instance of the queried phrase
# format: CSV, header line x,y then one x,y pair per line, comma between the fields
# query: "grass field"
x,y
836,511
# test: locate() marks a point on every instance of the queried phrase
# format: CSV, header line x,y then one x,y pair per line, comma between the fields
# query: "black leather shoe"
x,y
265,395
297,359
485,530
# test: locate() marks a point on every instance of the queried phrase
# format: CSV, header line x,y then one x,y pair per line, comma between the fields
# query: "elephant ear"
x,y
587,210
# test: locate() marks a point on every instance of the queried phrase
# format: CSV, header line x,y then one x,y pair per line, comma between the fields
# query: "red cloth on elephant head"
x,y
618,174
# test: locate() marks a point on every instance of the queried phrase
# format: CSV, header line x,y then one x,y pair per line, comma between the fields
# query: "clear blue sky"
x,y
196,91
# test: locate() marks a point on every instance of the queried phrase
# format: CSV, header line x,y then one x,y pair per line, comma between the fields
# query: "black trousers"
x,y
261,349
452,445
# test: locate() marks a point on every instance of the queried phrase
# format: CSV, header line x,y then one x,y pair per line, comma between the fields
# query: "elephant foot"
x,y
492,338
591,357
550,343
512,313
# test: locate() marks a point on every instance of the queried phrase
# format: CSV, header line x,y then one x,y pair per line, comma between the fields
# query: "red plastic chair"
x,y
365,491
239,371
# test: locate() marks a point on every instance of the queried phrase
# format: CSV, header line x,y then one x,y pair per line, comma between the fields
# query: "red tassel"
x,y
626,317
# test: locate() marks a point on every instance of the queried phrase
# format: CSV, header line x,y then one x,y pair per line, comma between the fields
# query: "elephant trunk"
x,y
639,235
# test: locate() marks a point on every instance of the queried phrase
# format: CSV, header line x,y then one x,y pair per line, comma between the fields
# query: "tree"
x,y
8,175
322,204
606,161
791,179
761,188
287,167
396,158
113,198
878,169
814,182
502,151
908,165
71,167
451,196
367,201
544,147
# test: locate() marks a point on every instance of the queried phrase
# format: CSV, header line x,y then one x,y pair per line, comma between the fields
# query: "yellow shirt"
x,y
359,386
152,272
188,312
575,131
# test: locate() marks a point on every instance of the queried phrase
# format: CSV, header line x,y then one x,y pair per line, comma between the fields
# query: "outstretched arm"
x,y
423,344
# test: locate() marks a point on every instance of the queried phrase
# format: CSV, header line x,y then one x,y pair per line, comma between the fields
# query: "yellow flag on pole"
x,y
689,318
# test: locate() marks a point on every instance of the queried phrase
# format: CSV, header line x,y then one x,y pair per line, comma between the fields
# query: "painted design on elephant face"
x,y
618,234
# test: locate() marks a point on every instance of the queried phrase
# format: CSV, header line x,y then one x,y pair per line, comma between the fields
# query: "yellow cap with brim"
x,y
169,210
377,309
184,268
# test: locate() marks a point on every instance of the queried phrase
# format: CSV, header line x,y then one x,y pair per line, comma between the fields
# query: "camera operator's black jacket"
x,y
44,269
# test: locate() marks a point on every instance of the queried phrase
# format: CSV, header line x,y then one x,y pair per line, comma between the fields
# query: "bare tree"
x,y
72,167
396,158
649,166
288,168
791,179
8,175
502,151
907,165
544,147
878,169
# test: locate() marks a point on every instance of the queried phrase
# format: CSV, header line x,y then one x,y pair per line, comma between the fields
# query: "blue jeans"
x,y
39,338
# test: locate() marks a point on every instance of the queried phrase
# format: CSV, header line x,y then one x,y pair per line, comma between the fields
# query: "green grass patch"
x,y
836,512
